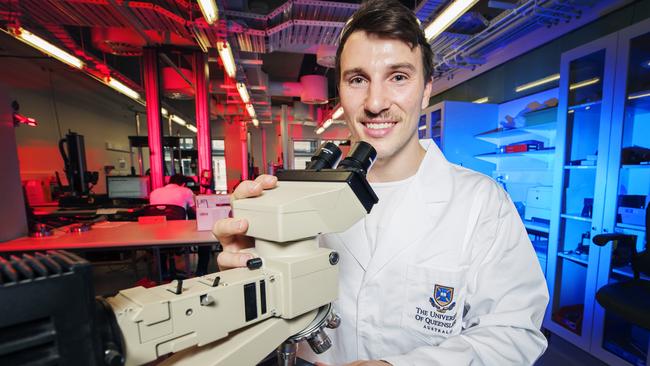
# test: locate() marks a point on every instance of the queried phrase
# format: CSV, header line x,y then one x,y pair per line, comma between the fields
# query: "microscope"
x,y
281,298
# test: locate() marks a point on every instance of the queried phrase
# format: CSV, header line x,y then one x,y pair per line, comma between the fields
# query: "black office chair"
x,y
630,300
171,212
166,258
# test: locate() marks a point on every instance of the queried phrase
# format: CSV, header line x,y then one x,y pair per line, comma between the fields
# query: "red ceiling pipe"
x,y
202,100
154,122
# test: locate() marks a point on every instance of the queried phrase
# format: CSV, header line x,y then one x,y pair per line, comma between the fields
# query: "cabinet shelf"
x,y
501,137
585,105
631,227
545,155
644,166
578,258
537,226
579,167
627,272
575,217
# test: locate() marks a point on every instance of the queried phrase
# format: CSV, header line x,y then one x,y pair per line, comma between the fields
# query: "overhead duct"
x,y
117,41
174,85
326,55
312,89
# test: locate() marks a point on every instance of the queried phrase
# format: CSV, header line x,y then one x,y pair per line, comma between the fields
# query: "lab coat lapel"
x,y
418,211
356,242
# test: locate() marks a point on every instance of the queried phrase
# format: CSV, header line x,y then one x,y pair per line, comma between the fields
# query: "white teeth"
x,y
378,126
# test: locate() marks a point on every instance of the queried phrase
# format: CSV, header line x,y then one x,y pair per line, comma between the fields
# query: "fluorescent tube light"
x,y
327,123
539,82
337,113
227,58
243,92
179,120
584,83
320,130
638,95
256,122
191,128
209,10
481,100
251,110
48,48
117,85
447,18
422,128
164,112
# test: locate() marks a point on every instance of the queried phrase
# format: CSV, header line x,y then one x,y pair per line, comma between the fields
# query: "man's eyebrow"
x,y
403,65
353,71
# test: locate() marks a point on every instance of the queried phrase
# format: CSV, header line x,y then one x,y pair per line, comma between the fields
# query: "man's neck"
x,y
403,164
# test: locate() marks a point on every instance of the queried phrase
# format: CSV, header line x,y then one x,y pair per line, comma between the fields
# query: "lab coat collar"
x,y
416,213
419,211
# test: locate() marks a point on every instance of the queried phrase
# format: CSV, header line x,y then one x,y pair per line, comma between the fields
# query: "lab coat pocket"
x,y
434,306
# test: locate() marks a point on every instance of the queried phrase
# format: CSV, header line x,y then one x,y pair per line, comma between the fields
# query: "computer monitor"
x,y
127,187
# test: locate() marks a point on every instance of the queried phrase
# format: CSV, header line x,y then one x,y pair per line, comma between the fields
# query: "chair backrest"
x,y
171,212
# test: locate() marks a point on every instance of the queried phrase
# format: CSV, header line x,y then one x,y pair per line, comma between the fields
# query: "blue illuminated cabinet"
x,y
599,185
452,126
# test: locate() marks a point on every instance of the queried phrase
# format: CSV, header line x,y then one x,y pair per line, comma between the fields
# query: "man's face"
x,y
382,92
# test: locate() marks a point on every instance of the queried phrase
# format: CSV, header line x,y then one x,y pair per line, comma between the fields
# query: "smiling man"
x,y
441,272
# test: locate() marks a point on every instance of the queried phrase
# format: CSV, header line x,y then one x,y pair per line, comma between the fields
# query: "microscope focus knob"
x,y
319,341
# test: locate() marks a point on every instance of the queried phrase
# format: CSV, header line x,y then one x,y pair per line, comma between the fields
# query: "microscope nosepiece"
x,y
319,341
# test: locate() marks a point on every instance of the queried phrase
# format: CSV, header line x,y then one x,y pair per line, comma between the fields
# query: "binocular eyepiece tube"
x,y
360,158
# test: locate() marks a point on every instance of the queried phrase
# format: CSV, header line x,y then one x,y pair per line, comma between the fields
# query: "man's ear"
x,y
427,93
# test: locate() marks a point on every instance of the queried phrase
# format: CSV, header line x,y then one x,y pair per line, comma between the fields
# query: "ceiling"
x,y
274,41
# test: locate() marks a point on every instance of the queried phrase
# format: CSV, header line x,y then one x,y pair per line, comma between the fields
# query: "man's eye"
x,y
400,77
356,80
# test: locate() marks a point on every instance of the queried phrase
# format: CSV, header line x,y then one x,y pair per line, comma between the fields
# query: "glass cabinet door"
x,y
581,164
615,340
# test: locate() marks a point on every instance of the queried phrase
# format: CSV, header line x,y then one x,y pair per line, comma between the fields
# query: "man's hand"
x,y
360,363
231,232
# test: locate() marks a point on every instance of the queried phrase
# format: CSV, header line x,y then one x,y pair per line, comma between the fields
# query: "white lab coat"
x,y
455,230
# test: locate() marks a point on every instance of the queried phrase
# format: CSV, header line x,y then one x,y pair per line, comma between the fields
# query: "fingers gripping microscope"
x,y
283,296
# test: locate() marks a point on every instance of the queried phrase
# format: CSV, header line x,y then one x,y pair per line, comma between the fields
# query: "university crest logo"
x,y
443,298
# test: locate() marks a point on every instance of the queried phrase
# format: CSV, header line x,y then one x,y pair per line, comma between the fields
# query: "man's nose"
x,y
376,99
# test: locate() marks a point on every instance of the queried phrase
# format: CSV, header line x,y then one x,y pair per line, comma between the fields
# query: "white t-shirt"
x,y
389,194
172,194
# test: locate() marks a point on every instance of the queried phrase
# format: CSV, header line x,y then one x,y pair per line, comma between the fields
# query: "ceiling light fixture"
x,y
120,87
243,92
584,83
538,82
337,113
209,10
422,128
481,100
256,122
227,58
447,18
164,112
251,110
327,123
46,47
191,128
179,120
320,130
638,95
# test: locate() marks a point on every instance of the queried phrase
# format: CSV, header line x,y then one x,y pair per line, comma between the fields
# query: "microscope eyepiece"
x,y
361,157
326,157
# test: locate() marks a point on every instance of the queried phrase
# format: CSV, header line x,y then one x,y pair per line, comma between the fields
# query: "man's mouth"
x,y
378,129
378,125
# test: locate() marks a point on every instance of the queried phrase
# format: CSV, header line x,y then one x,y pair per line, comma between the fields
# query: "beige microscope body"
x,y
239,316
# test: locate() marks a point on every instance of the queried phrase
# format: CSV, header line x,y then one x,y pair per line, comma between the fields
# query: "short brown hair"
x,y
387,19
